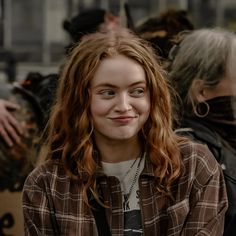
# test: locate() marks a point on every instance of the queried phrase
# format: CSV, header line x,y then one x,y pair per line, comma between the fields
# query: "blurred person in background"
x,y
18,108
203,72
161,30
89,21
24,107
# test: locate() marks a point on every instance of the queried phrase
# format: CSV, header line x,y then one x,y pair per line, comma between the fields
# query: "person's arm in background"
x,y
10,128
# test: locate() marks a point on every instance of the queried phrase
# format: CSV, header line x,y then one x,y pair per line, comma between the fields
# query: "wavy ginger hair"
x,y
70,125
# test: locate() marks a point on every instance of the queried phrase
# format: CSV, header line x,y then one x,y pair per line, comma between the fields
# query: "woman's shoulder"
x,y
50,170
198,159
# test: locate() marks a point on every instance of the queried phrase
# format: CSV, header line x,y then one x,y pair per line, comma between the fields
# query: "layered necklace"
x,y
127,178
127,195
128,171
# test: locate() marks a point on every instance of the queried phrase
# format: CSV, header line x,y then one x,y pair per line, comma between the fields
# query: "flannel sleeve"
x,y
208,199
38,215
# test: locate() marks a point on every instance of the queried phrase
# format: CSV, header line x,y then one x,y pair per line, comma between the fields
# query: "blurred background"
x,y
32,37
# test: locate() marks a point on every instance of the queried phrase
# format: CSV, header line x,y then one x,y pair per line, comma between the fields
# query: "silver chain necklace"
x,y
127,172
127,195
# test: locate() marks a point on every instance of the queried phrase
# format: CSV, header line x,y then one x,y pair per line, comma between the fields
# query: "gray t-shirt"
x,y
128,173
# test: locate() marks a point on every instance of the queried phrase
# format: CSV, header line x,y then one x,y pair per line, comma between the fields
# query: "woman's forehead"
x,y
114,69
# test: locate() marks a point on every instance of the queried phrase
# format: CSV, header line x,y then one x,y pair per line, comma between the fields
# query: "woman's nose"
x,y
123,103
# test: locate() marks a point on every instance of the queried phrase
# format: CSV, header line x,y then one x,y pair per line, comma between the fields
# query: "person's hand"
x,y
10,128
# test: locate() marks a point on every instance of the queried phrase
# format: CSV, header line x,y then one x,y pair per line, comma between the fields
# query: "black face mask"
x,y
222,109
222,117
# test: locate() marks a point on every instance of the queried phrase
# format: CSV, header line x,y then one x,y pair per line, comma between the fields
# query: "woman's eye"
x,y
107,93
138,92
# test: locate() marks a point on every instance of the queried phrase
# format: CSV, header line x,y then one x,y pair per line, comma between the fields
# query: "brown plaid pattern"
x,y
53,204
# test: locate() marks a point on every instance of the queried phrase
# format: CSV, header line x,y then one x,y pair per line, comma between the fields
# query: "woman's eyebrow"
x,y
114,86
105,85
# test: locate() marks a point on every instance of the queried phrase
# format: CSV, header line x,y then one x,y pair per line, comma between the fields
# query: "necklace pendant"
x,y
126,197
126,202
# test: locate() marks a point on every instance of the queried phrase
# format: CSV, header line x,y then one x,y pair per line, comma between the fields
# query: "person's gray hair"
x,y
206,54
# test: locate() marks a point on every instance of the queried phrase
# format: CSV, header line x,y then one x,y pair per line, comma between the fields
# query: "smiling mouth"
x,y
123,120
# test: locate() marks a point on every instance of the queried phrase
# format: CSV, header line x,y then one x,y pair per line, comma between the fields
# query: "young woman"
x,y
111,150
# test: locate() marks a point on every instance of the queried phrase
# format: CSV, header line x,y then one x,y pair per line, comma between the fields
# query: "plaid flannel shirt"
x,y
53,203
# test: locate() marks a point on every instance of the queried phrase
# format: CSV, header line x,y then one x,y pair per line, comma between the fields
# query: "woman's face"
x,y
120,101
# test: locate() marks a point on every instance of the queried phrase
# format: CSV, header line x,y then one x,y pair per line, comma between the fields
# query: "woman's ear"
x,y
197,90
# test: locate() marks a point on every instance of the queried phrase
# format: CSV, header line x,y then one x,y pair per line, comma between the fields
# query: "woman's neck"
x,y
117,151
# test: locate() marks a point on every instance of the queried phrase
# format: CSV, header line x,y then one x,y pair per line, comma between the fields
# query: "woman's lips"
x,y
122,119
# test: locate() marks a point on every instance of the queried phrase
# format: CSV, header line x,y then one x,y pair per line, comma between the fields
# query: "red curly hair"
x,y
70,126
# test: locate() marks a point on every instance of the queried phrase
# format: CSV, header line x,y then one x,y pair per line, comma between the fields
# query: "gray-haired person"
x,y
203,72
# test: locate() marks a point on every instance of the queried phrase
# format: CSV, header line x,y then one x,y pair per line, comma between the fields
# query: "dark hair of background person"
x,y
87,21
160,30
